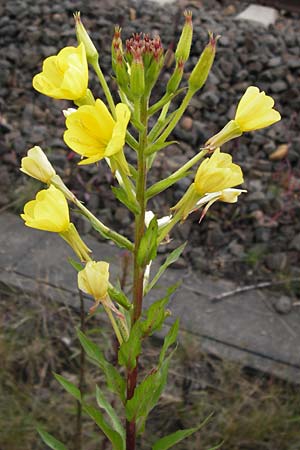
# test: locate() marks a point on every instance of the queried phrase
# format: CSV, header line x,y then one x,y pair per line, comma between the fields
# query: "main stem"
x,y
138,275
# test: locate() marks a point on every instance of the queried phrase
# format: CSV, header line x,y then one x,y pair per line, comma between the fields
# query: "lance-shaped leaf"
x,y
75,264
69,387
112,435
115,382
171,258
162,185
122,196
119,297
155,317
130,349
153,148
169,340
50,440
172,439
104,404
148,246
147,394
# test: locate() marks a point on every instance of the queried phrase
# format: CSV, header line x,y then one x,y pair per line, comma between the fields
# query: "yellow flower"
x,y
217,173
94,134
49,211
93,279
214,178
65,75
254,111
36,165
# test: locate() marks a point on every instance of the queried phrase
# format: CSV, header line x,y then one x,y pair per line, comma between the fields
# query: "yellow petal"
x,y
119,132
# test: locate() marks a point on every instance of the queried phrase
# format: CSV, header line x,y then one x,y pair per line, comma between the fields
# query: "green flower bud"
x,y
83,37
184,45
176,77
201,70
137,76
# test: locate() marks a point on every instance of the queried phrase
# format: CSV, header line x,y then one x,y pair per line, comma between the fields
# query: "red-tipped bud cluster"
x,y
145,46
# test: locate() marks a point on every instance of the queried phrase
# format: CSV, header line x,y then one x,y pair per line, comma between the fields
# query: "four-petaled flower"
x,y
254,111
49,211
94,134
93,279
217,173
65,75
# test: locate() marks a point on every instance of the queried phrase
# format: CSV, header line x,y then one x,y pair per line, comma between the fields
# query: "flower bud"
x,y
254,111
121,72
201,70
184,45
83,37
176,77
37,165
137,76
93,279
116,46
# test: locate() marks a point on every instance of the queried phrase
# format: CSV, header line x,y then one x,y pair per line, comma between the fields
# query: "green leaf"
x,y
114,380
118,296
172,257
69,387
148,245
130,349
153,148
104,404
112,435
147,394
169,340
174,438
156,315
75,264
122,196
162,185
50,440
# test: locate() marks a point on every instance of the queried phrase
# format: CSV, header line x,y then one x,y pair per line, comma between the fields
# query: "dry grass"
x,y
251,411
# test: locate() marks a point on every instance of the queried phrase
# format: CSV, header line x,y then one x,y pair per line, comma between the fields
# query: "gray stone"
x,y
283,304
278,86
262,14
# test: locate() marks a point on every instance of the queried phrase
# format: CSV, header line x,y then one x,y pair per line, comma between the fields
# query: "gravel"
x,y
247,54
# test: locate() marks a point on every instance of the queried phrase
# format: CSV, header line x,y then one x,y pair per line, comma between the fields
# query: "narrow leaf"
x,y
156,315
172,439
130,349
104,404
172,257
122,196
153,148
162,185
118,296
75,264
112,435
169,340
114,380
50,440
91,349
148,245
69,387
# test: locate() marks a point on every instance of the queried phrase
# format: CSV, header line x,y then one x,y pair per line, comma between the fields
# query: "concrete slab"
x,y
264,15
244,327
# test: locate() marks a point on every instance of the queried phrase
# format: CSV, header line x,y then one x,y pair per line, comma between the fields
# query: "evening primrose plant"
x,y
98,128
